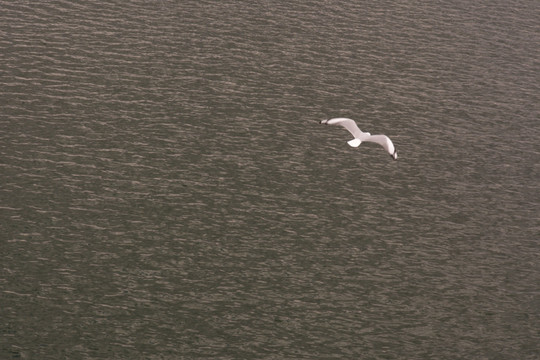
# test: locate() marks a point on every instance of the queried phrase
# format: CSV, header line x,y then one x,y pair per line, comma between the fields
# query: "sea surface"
x,y
167,192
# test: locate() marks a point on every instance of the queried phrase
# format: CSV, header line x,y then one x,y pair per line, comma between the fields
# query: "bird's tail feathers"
x,y
354,142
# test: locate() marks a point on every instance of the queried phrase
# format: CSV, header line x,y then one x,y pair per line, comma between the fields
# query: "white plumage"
x,y
360,136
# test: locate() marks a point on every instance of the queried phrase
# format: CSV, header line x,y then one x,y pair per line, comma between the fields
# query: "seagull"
x,y
360,136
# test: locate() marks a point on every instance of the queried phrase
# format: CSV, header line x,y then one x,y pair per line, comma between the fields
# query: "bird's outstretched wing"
x,y
382,140
348,124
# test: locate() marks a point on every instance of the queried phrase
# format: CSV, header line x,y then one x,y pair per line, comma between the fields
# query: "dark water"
x,y
167,193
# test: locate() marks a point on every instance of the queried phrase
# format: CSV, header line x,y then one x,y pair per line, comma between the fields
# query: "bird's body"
x,y
360,136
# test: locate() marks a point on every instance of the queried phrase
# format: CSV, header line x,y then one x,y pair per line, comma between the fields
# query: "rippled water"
x,y
168,193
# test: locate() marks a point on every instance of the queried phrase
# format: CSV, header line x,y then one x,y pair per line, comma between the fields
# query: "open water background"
x,y
166,191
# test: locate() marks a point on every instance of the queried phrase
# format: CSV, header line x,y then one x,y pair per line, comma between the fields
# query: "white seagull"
x,y
360,136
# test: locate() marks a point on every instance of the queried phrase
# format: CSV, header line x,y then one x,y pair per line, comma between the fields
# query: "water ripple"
x,y
167,191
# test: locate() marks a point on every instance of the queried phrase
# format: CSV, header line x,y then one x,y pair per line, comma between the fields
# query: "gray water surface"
x,y
167,192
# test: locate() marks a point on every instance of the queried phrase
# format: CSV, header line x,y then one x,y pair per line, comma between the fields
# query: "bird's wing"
x,y
382,140
350,125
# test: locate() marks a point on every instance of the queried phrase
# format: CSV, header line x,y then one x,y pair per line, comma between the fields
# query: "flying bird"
x,y
360,136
